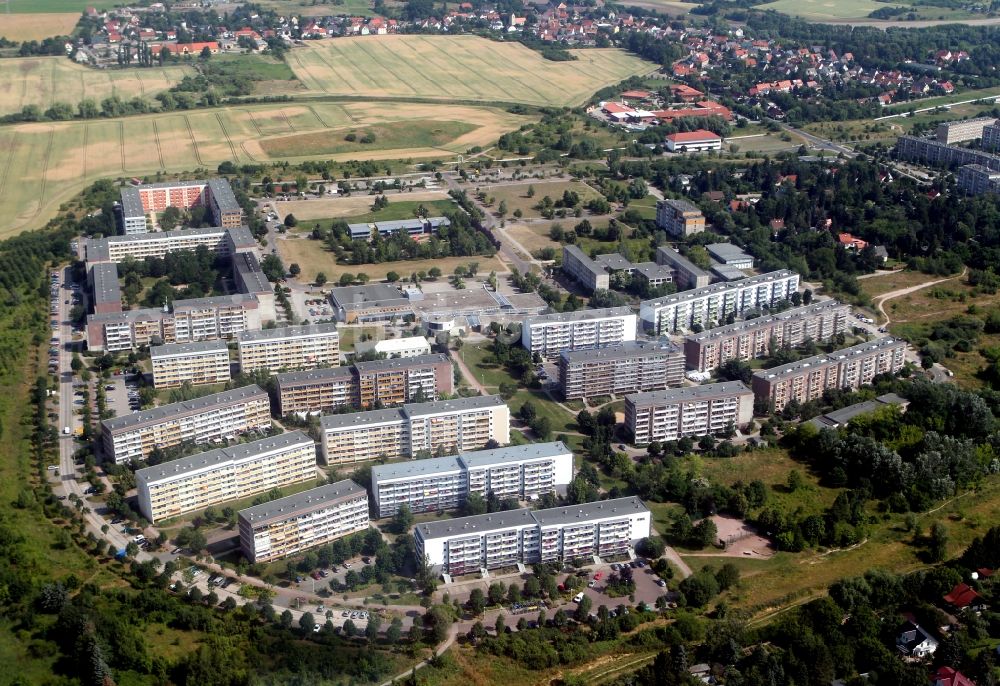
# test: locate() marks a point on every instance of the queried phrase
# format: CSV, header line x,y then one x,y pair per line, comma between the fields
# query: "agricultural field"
x,y
317,8
669,7
25,27
419,133
457,68
827,10
43,81
56,6
43,165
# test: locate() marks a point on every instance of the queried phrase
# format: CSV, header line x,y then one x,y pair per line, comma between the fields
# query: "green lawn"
x,y
256,66
417,133
477,358
820,10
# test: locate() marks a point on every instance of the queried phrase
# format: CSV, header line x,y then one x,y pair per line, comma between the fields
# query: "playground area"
x,y
739,539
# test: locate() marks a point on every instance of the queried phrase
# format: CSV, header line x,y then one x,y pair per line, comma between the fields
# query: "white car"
x,y
578,597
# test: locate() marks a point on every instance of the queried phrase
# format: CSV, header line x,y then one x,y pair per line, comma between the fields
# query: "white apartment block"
x,y
193,483
628,368
524,472
445,426
503,539
752,338
195,363
549,335
848,368
991,138
966,130
693,411
298,522
221,416
708,306
289,347
224,242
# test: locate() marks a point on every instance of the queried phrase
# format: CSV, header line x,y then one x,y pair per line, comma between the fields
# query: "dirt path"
x,y
879,301
676,560
469,376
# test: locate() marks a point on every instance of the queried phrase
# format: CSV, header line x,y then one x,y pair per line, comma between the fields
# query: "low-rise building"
x,y
522,472
193,483
410,346
445,426
752,338
849,368
682,412
289,525
693,141
550,335
503,539
289,347
686,273
628,368
585,271
369,303
729,254
195,363
216,417
837,418
679,217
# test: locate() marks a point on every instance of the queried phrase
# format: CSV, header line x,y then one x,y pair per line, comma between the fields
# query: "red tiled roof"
x,y
693,136
946,676
961,596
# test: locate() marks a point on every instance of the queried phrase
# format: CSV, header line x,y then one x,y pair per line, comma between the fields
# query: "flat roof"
x,y
680,205
727,251
193,348
353,297
302,503
104,277
835,356
475,402
651,270
579,315
679,261
447,528
392,345
412,469
248,269
303,331
219,456
627,350
185,407
718,288
215,301
401,363
242,238
673,395
146,314
584,259
613,261
601,509
132,202
750,324
728,272
332,422
513,453
223,196
313,376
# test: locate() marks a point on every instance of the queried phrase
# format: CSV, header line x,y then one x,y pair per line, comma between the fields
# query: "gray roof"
x,y
513,453
728,272
678,261
625,351
475,402
412,469
249,272
584,259
104,277
680,205
846,414
351,297
651,270
132,202
579,315
221,456
287,332
601,509
145,314
192,348
223,196
184,408
613,261
216,301
718,288
835,357
309,377
675,395
97,250
727,252
242,238
401,363
302,503
333,422
810,310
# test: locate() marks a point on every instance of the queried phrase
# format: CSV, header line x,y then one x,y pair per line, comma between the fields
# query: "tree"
x,y
206,53
394,632
169,218
290,220
307,622
294,269
403,519
794,480
321,279
477,602
350,628
938,542
582,611
393,277
704,533
496,593
346,279
373,626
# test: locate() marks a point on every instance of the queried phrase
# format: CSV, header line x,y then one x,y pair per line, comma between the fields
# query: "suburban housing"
x,y
694,411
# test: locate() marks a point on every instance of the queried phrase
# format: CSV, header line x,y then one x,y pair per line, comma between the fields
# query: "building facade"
x,y
693,141
446,426
628,368
289,347
711,305
991,138
679,217
686,273
752,338
848,368
193,483
195,363
503,539
216,194
931,152
949,132
550,335
975,179
221,416
522,472
683,412
585,271
224,242
298,522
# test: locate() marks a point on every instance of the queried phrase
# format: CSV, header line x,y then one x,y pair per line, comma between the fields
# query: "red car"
x,y
316,575
597,577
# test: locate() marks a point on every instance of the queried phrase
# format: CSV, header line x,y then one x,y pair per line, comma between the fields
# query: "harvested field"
x,y
457,68
25,27
56,6
820,10
411,134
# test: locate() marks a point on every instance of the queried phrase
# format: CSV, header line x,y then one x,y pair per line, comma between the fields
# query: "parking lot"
x,y
122,394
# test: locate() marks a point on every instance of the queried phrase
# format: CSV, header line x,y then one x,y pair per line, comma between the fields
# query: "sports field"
x,y
24,27
821,10
43,165
457,68
44,80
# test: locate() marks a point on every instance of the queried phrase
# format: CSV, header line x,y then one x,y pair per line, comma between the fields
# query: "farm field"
x,y
670,7
43,165
56,6
25,27
819,10
309,8
456,68
43,81
420,133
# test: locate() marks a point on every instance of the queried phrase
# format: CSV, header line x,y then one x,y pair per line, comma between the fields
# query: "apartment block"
x,y
686,273
390,382
991,138
106,294
139,201
446,426
550,335
692,411
503,539
949,132
193,483
585,271
216,417
931,152
975,179
711,305
679,217
289,347
628,368
752,338
195,363
298,522
223,241
250,279
848,368
524,472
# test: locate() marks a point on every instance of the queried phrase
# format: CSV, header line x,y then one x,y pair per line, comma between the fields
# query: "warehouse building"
x,y
628,368
195,363
498,540
729,254
414,429
849,368
216,417
369,303
752,338
289,347
523,472
289,525
550,335
693,141
193,483
679,217
585,271
681,412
